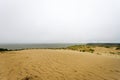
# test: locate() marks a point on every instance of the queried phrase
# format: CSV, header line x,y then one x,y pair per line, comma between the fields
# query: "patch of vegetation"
x,y
27,78
118,53
91,50
81,48
112,52
90,47
118,48
3,49
105,44
98,53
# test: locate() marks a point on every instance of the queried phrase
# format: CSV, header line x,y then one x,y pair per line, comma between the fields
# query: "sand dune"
x,y
46,64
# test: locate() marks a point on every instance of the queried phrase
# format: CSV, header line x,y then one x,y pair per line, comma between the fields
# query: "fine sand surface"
x,y
47,64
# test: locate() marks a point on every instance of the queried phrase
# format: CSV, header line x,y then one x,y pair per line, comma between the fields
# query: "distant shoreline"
x,y
109,48
52,45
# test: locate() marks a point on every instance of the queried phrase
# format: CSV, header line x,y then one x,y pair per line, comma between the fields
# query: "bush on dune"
x,y
3,49
118,48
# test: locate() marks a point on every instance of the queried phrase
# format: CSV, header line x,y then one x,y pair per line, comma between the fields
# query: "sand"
x,y
47,64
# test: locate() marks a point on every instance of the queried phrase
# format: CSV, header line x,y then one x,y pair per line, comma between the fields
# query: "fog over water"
x,y
59,21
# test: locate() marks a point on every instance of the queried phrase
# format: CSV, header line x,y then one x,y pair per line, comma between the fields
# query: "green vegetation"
x,y
98,53
118,48
81,48
3,49
107,45
90,47
112,52
118,53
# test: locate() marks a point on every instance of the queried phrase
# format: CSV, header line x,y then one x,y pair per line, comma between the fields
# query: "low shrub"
x,y
118,48
3,49
91,50
112,52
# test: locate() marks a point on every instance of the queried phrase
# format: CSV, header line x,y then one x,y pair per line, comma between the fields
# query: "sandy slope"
x,y
48,64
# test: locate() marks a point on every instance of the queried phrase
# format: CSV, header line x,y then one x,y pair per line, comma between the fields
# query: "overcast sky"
x,y
58,21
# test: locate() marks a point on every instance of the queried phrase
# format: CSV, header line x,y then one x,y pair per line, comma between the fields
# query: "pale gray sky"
x,y
54,21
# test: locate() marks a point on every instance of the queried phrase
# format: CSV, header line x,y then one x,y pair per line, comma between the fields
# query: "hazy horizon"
x,y
59,21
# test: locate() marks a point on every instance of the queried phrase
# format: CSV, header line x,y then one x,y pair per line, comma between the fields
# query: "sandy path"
x,y
48,64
